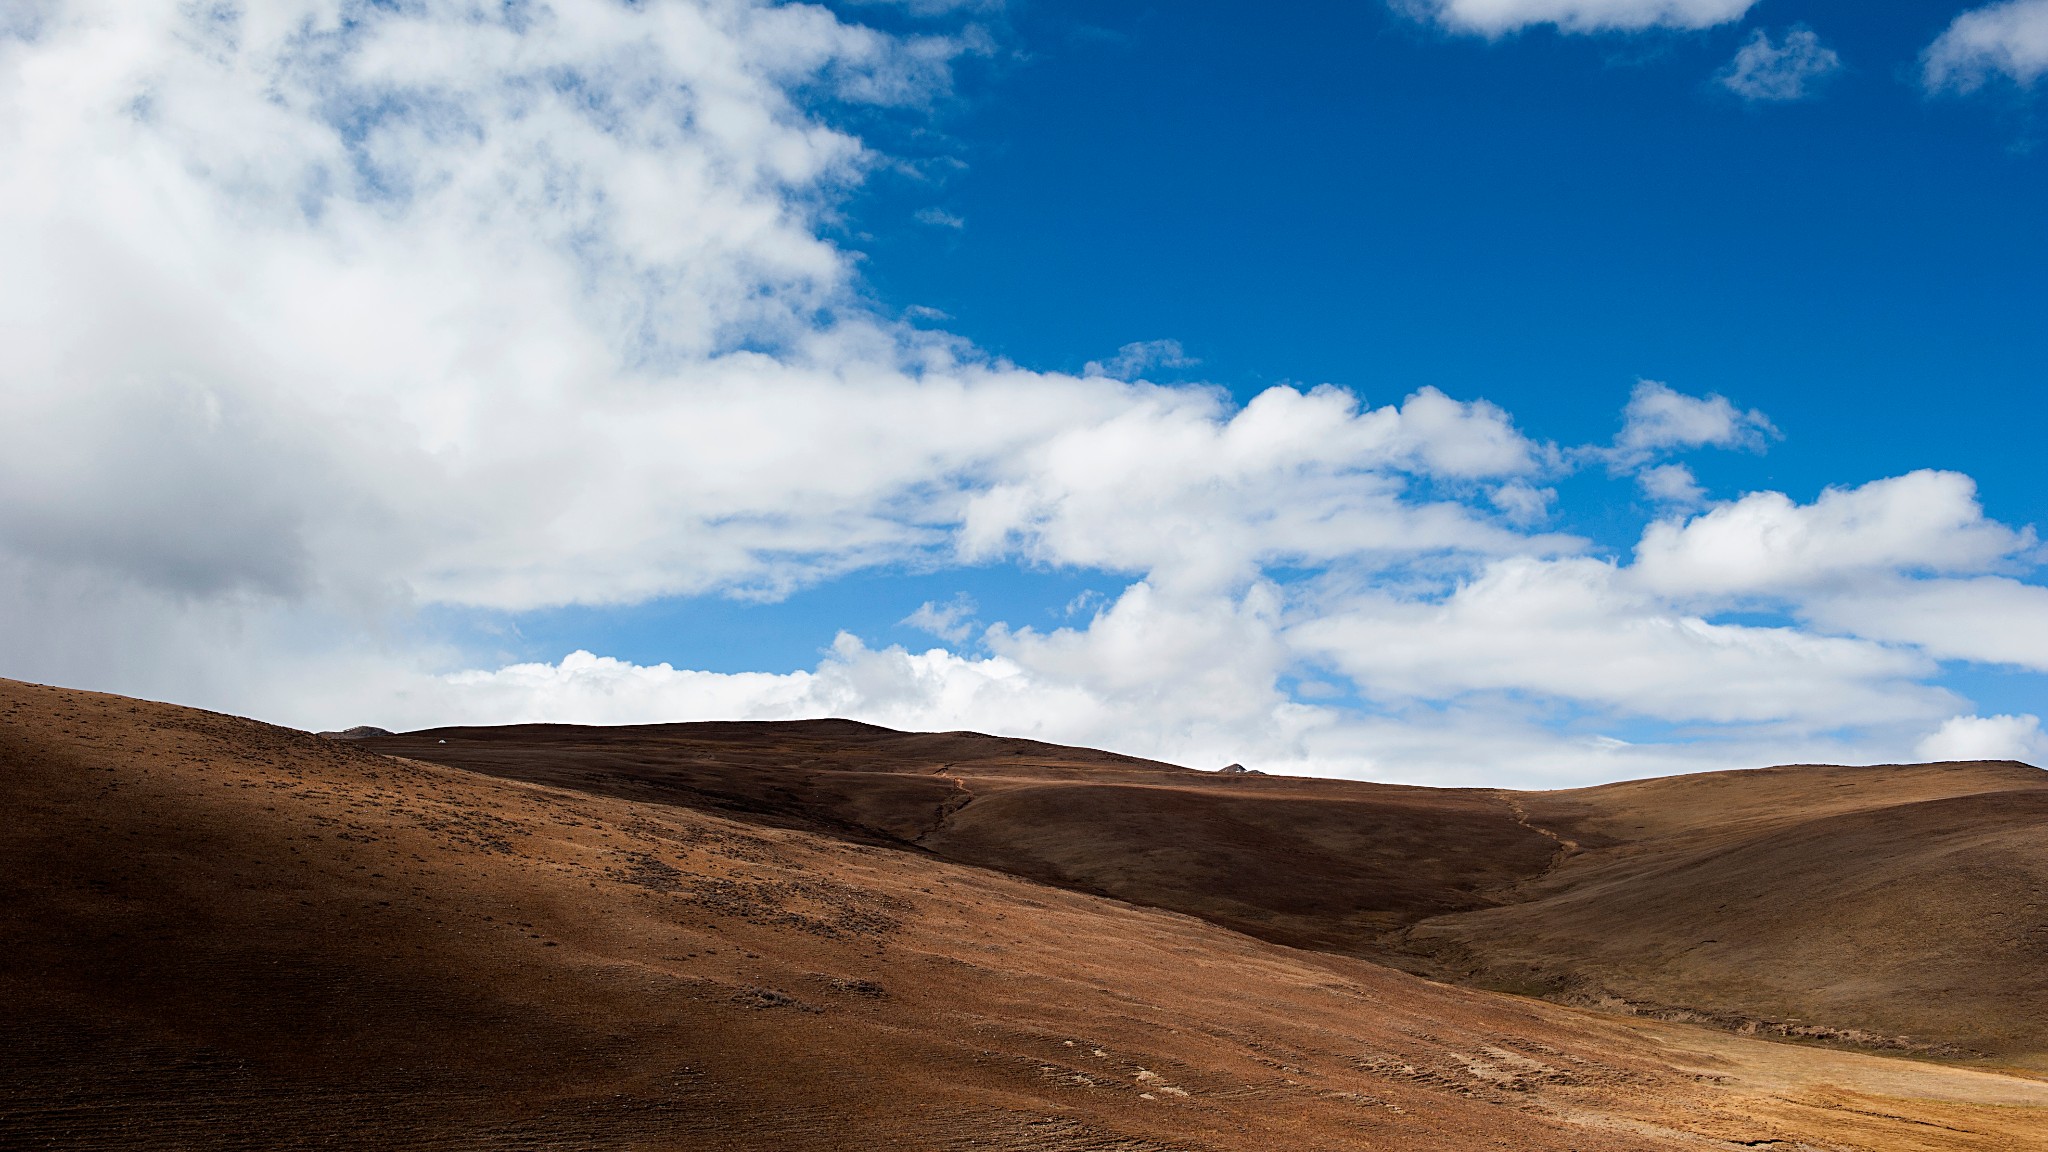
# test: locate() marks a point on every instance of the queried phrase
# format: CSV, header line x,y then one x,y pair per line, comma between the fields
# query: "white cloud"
x,y
952,620
1188,681
1661,419
1194,495
937,7
407,314
403,303
1984,738
1671,484
1498,17
934,690
313,319
940,218
1133,359
1986,619
2008,39
318,313
1768,71
1766,545
1523,502
1579,629
1148,676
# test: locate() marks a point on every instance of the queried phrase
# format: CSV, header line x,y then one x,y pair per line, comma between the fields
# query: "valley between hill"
x,y
224,934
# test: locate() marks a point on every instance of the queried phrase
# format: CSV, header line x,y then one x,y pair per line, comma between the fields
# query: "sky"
x,y
1508,392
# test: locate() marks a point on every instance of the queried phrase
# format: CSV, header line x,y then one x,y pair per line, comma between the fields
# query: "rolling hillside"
x,y
223,934
1899,907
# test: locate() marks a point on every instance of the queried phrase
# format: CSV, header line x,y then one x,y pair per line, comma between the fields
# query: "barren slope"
x,y
226,935
1318,863
1902,905
1897,907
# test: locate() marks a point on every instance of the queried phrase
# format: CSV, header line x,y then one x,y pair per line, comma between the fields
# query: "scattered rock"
x,y
771,998
1238,770
868,988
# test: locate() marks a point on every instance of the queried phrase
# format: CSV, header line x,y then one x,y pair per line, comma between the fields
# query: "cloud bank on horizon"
x,y
320,313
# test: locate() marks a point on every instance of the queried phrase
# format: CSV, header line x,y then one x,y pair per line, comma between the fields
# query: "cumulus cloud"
x,y
1765,544
1985,619
402,299
1193,681
1498,17
1579,629
1661,419
318,313
2007,40
1671,484
1148,676
405,308
327,312
1195,495
1984,738
1522,502
1778,71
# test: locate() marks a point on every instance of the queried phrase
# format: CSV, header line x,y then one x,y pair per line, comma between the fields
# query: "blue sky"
x,y
957,365
1341,194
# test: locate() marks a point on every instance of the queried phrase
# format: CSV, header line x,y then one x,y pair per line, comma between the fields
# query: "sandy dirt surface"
x,y
222,934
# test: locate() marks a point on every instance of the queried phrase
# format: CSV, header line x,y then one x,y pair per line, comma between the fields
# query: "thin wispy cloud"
x,y
952,620
1498,17
1134,359
1781,70
935,7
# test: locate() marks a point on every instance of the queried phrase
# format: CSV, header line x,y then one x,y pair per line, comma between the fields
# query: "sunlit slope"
x,y
227,935
1895,905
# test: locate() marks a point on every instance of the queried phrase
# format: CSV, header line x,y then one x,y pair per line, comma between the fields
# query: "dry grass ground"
x,y
1900,908
227,935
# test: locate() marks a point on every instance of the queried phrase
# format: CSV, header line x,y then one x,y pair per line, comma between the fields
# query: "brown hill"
x,y
1901,905
1315,863
1897,907
222,934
